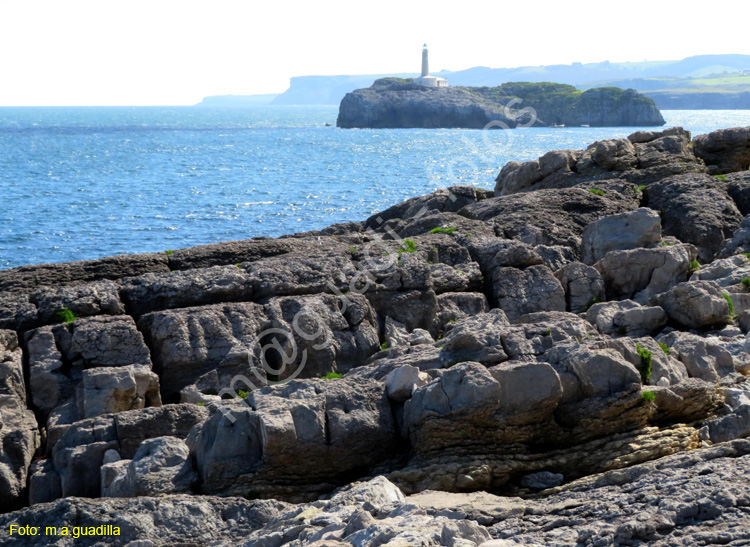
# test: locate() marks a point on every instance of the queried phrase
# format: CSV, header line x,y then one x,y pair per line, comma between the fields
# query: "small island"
x,y
401,103
430,102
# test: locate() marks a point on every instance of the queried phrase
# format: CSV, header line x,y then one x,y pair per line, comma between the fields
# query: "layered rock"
x,y
457,342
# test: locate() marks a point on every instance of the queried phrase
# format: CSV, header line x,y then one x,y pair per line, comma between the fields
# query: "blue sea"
x,y
81,183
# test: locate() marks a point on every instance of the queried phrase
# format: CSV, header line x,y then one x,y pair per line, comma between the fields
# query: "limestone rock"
x,y
639,274
725,150
281,443
739,242
641,228
547,217
19,434
583,286
160,466
695,209
518,292
695,304
703,358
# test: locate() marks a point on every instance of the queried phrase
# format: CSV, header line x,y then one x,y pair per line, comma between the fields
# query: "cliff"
x,y
569,348
396,103
635,75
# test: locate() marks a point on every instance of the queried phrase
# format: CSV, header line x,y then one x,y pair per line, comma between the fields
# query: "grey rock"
x,y
26,279
516,176
87,299
187,343
704,358
725,150
419,337
542,480
19,434
738,188
640,321
282,442
695,209
402,381
724,272
160,466
161,291
740,241
455,306
518,292
583,286
17,312
146,521
639,274
641,228
695,304
547,217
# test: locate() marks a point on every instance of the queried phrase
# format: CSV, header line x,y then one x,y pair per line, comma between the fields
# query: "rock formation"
x,y
548,365
396,103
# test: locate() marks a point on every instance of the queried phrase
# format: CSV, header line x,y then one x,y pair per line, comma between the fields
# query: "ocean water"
x,y
81,183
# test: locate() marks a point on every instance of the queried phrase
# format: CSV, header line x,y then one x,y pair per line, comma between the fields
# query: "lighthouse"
x,y
425,79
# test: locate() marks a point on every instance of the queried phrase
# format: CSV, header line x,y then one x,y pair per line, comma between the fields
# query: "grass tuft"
x,y
332,376
441,230
664,347
732,311
721,177
694,265
66,316
746,282
648,397
596,191
646,362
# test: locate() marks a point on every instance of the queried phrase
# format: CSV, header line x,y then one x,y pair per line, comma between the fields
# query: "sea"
x,y
89,182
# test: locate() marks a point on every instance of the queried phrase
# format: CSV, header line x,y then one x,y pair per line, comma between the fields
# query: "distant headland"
x,y
698,82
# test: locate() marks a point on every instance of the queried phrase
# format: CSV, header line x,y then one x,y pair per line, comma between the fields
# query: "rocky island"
x,y
560,361
398,103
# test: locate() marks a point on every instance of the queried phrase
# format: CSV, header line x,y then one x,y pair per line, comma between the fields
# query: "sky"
x,y
165,52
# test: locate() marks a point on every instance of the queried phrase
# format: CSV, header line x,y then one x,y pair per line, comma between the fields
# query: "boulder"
x,y
402,381
639,274
160,466
17,312
518,292
695,304
704,358
724,272
725,150
542,480
641,228
640,321
583,286
695,209
516,176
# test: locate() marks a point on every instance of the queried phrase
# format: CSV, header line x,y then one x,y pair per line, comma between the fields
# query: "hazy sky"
x,y
135,52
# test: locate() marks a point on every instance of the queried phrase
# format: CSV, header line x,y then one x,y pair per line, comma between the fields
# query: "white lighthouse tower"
x,y
425,79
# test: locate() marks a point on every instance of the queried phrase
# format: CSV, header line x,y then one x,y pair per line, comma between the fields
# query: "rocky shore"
x,y
397,103
560,361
